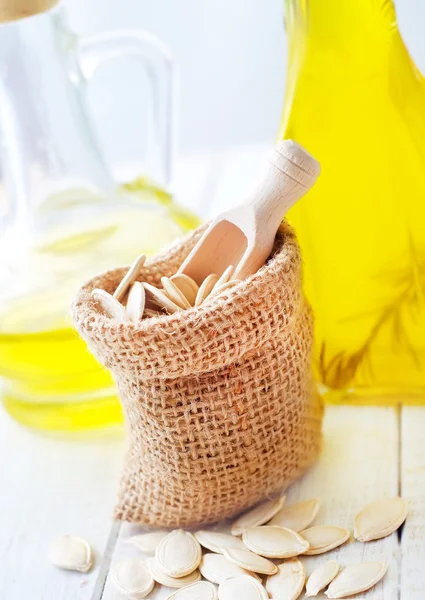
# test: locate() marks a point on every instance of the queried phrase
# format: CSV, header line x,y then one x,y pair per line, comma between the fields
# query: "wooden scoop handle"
x,y
11,10
291,173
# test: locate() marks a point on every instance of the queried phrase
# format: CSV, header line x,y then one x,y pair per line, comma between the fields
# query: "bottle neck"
x,y
339,31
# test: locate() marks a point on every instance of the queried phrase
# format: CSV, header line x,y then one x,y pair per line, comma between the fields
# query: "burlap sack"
x,y
219,400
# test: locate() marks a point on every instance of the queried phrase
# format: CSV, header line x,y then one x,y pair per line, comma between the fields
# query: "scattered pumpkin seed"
x,y
379,519
217,568
288,582
201,590
323,538
132,578
178,554
72,553
243,587
147,542
258,515
321,577
173,582
297,516
160,298
250,561
356,578
216,541
275,542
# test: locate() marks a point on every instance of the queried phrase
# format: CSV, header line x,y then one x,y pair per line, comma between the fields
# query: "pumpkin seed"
x,y
297,516
217,568
225,276
187,286
132,578
206,288
250,561
258,515
201,590
72,553
379,519
147,542
288,582
243,587
174,293
136,302
356,578
129,278
111,306
275,542
215,541
173,582
225,286
178,554
161,299
323,538
321,577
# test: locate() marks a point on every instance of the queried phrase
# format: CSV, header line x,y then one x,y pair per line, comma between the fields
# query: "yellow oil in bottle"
x,y
356,101
49,379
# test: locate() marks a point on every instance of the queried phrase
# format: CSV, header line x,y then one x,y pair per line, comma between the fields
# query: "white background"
x,y
231,56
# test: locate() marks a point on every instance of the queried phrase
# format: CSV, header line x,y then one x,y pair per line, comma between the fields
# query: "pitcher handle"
x,y
95,50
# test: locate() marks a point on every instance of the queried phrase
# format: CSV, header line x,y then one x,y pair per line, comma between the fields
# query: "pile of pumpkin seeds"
x,y
133,300
248,563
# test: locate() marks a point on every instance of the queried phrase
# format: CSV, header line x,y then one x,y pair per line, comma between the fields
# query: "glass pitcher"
x,y
63,218
356,100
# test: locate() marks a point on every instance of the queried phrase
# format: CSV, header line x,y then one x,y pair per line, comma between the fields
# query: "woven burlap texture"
x,y
219,401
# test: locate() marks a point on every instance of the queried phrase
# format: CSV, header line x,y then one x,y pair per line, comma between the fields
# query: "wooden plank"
x,y
413,489
51,487
359,463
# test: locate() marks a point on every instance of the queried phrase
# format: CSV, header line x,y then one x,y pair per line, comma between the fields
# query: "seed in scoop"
x,y
129,278
173,582
217,568
379,519
288,582
136,302
321,577
201,590
258,515
111,306
216,541
298,516
206,288
147,542
160,298
356,578
275,542
243,588
174,293
323,538
225,276
250,561
178,554
72,553
132,578
187,286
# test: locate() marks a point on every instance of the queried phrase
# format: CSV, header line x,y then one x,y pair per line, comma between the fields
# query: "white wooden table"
x,y
50,486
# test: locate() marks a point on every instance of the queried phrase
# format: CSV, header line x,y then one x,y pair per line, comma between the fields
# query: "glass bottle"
x,y
356,100
63,218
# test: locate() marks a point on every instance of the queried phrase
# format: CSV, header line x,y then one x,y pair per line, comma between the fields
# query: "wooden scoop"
x,y
11,10
244,236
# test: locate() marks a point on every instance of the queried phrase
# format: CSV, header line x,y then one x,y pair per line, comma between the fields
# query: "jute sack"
x,y
219,400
